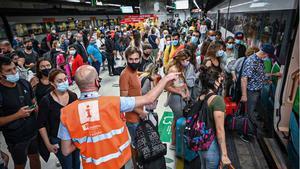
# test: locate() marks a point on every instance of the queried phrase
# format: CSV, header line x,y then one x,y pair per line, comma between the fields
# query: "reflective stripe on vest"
x,y
100,137
107,157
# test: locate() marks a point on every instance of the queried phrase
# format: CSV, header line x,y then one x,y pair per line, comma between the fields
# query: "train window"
x,y
261,23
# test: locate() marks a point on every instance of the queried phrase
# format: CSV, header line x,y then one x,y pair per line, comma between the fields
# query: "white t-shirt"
x,y
161,44
203,29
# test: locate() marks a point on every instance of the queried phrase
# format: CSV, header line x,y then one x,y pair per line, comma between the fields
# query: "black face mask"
x,y
45,72
28,47
134,66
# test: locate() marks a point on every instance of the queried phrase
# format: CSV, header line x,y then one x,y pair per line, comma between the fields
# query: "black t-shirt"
x,y
49,113
144,64
31,58
41,90
21,129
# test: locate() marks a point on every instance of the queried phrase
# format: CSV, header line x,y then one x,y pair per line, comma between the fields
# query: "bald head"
x,y
85,78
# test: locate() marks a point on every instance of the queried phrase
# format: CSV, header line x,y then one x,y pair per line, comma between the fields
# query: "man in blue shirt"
x,y
95,56
253,77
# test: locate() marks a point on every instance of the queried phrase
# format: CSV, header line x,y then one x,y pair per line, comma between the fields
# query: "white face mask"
x,y
72,52
53,31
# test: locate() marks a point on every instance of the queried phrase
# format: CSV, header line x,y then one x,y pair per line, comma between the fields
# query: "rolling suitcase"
x,y
182,150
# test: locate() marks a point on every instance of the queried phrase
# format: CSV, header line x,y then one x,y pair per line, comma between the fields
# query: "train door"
x,y
286,119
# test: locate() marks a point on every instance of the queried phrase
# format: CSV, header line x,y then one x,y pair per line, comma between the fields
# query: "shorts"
x,y
19,151
132,131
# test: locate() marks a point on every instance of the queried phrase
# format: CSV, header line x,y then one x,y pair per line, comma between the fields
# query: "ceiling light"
x,y
258,4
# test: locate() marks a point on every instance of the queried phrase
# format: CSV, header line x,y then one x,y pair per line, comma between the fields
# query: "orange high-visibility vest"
x,y
98,131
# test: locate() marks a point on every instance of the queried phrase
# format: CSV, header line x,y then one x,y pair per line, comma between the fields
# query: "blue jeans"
x,y
252,99
210,159
132,131
71,161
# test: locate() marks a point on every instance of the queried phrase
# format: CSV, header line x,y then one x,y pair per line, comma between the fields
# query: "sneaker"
x,y
172,147
58,164
245,138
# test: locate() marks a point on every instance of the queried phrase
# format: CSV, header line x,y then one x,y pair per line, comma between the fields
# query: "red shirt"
x,y
77,62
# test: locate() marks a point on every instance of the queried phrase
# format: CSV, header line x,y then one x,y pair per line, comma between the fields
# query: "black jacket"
x,y
110,45
81,51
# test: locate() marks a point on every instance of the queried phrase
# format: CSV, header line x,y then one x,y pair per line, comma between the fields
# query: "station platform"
x,y
243,155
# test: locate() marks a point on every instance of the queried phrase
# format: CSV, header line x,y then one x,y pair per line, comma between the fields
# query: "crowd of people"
x,y
39,115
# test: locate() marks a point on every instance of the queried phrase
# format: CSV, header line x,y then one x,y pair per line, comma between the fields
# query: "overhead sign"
x,y
48,19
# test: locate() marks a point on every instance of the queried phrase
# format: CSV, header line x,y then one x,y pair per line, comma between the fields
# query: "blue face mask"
x,y
237,41
13,78
63,86
229,45
194,40
220,53
213,38
175,42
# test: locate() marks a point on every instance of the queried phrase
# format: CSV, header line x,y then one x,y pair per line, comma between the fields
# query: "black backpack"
x,y
148,143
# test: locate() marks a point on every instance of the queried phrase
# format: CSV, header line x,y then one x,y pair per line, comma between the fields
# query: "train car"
x,y
275,22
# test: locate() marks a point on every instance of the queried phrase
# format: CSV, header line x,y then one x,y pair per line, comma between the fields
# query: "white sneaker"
x,y
172,147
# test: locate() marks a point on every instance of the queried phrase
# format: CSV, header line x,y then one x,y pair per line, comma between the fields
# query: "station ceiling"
x,y
81,7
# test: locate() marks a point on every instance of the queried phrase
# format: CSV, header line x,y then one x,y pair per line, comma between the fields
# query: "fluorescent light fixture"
x,y
115,5
87,2
196,4
73,0
126,9
137,7
258,4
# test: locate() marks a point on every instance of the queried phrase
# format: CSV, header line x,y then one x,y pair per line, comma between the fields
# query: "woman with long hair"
x,y
43,87
213,56
216,154
49,117
178,90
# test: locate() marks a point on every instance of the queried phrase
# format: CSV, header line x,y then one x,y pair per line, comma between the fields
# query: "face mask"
x,y
92,42
168,42
58,46
45,72
194,40
13,78
53,31
175,42
220,53
79,39
72,52
134,66
229,46
28,47
237,41
213,38
185,64
62,87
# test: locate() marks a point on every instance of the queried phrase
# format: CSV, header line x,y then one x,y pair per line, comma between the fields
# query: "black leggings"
x,y
111,63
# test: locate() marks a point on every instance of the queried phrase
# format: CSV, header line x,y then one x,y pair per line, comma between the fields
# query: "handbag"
x,y
148,144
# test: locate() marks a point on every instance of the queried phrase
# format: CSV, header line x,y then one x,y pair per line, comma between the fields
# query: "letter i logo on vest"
x,y
88,112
